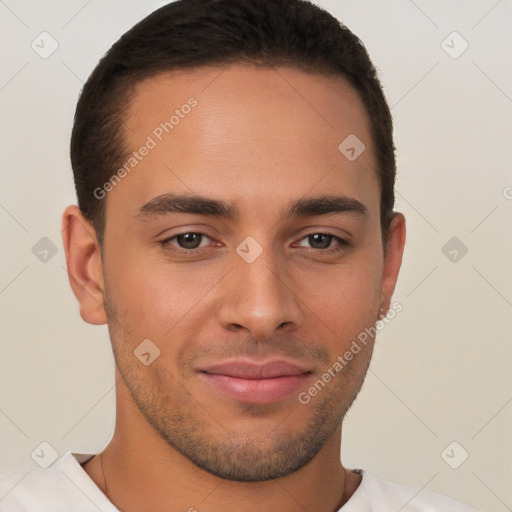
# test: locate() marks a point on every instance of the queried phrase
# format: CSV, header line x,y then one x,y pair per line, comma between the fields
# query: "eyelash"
x,y
343,244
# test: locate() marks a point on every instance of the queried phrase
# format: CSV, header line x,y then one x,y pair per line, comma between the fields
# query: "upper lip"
x,y
243,369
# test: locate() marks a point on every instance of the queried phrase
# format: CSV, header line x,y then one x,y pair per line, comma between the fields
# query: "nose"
x,y
260,298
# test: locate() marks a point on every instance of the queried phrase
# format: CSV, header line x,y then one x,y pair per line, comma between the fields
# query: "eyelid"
x,y
184,229
325,233
343,243
343,237
204,235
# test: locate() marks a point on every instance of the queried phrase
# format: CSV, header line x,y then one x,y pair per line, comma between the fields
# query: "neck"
x,y
138,471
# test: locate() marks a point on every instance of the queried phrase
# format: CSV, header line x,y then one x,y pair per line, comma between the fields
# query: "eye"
x,y
187,241
191,242
323,241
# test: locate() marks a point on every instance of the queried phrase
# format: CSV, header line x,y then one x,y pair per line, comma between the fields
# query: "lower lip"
x,y
257,391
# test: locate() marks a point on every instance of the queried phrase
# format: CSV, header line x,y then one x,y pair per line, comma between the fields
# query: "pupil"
x,y
319,238
189,240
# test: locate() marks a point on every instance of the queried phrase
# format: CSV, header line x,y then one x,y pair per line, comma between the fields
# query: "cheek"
x,y
346,312
343,310
156,298
343,295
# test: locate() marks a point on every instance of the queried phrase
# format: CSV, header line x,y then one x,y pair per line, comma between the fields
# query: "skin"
x,y
258,139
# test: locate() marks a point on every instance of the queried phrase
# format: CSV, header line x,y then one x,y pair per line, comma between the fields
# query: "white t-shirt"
x,y
66,487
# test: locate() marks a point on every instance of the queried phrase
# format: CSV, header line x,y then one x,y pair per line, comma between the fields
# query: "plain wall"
x,y
441,368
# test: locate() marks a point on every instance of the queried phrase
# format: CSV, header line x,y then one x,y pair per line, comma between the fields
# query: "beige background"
x,y
441,371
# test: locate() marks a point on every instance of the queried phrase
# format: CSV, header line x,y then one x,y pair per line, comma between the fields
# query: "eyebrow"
x,y
194,204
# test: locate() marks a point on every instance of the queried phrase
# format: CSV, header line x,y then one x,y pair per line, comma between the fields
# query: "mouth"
x,y
248,382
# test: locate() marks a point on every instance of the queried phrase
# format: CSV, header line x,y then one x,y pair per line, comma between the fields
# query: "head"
x,y
223,216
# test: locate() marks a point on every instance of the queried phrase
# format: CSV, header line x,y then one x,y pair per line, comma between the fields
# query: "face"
x,y
247,248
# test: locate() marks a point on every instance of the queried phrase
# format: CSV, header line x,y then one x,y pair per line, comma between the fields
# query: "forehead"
x,y
254,99
243,131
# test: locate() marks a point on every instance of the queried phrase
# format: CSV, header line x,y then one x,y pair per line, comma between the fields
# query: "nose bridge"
x,y
260,297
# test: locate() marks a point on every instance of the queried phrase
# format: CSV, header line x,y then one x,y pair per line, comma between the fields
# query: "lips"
x,y
247,370
248,382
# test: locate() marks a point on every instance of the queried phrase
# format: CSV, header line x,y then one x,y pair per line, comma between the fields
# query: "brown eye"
x,y
320,240
323,242
189,240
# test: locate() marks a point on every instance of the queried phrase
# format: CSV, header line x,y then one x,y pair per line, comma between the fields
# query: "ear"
x,y
85,269
392,259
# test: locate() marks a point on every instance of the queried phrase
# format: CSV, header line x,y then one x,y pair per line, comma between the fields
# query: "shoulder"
x,y
374,493
63,487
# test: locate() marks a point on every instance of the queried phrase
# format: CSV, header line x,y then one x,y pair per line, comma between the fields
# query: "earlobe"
x,y
84,265
392,259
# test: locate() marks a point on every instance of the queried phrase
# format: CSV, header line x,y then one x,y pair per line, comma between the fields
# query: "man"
x,y
234,167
